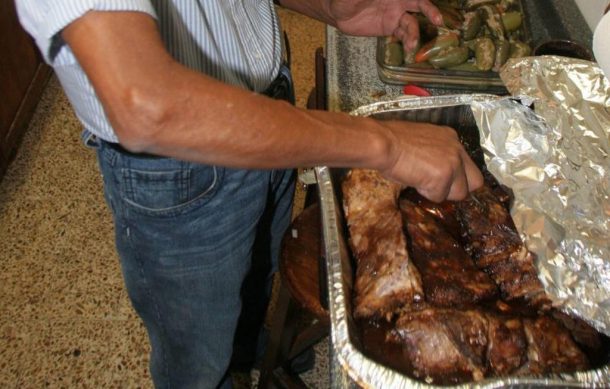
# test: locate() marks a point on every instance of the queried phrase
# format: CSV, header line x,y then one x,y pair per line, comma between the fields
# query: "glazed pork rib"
x,y
445,344
449,275
448,344
386,279
550,348
497,248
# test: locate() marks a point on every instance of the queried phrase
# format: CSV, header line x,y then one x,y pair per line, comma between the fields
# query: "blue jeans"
x,y
188,236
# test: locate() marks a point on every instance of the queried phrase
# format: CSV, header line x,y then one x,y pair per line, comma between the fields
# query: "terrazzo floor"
x,y
65,319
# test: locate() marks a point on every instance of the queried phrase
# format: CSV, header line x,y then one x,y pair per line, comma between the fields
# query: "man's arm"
x,y
158,106
370,17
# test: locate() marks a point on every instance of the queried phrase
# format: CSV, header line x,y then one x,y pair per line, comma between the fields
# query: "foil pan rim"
x,y
364,371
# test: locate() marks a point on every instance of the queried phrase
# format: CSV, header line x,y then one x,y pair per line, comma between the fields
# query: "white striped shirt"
x,y
235,41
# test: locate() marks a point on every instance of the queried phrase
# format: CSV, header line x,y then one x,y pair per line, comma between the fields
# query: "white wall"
x,y
592,10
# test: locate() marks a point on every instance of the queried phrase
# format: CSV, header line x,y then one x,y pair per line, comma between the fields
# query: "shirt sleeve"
x,y
45,19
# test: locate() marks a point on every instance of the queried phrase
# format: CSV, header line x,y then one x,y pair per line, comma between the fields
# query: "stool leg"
x,y
276,338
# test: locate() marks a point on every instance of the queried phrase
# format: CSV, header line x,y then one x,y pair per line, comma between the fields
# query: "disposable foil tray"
x,y
453,111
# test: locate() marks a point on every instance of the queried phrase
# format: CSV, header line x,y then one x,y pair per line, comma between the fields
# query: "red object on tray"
x,y
415,91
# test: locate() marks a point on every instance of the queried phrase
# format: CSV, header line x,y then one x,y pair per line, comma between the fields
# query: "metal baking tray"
x,y
467,80
446,110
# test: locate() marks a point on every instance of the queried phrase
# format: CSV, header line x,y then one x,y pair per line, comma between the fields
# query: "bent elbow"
x,y
139,120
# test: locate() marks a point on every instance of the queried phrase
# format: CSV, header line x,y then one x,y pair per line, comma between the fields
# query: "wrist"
x,y
382,147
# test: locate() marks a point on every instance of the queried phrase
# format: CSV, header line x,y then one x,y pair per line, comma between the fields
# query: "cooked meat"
x,y
506,350
583,334
550,348
443,342
386,279
444,213
502,193
449,275
448,342
497,248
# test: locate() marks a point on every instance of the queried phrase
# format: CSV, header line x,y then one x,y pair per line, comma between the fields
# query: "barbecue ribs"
x,y
449,275
446,344
497,248
386,279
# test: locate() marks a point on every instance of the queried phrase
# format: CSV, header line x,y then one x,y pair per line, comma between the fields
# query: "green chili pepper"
x,y
394,53
493,20
450,20
485,53
449,56
472,4
502,54
432,48
471,25
512,20
519,49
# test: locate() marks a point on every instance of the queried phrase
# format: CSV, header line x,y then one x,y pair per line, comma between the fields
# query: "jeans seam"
x,y
156,308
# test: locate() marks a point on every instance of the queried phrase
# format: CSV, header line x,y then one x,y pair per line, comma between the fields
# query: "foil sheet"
x,y
506,120
557,163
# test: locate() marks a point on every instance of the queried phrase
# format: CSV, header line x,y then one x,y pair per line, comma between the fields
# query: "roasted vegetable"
x,y
493,20
485,53
450,19
472,4
502,54
471,25
511,21
519,49
394,54
433,47
449,56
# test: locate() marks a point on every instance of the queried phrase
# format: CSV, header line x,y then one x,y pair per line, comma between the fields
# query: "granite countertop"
x,y
351,73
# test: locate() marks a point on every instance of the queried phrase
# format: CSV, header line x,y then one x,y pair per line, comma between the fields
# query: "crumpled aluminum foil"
x,y
557,162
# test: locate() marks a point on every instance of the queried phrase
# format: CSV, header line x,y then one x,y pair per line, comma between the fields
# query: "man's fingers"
x,y
459,186
408,31
473,174
432,13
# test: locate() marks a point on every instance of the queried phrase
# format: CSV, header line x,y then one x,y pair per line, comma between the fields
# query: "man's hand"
x,y
432,160
383,17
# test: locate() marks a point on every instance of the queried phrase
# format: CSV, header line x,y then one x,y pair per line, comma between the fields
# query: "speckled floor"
x,y
65,319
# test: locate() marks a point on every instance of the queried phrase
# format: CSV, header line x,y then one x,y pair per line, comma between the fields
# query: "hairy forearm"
x,y
219,124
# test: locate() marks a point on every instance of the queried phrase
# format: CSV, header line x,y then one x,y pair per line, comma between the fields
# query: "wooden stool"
x,y
299,320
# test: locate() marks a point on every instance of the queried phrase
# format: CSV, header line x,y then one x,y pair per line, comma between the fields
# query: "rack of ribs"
x,y
449,275
386,279
460,345
497,248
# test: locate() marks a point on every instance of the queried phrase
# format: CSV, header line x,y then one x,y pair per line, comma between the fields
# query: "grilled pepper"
x,y
502,54
394,54
449,56
512,21
430,49
472,4
493,20
451,20
471,25
519,49
485,53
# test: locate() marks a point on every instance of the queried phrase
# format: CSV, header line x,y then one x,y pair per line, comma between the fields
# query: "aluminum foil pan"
x,y
455,111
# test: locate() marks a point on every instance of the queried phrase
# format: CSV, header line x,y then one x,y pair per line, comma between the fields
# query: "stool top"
x,y
301,250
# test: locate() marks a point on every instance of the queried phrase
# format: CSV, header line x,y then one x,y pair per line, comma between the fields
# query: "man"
x,y
193,161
